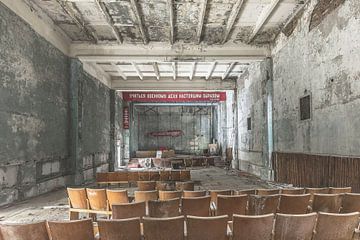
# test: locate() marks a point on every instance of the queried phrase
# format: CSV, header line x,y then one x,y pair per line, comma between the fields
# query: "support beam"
x,y
77,18
201,21
136,11
156,70
232,18
109,20
211,70
264,16
137,69
118,69
174,68
171,16
192,71
228,70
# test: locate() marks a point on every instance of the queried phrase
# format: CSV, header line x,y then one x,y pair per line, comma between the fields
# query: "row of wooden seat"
x,y
313,226
144,175
163,186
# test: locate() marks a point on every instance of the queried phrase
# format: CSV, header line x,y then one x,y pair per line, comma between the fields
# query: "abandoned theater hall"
x,y
179,119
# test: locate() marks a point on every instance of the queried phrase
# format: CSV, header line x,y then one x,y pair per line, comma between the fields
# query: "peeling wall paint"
x,y
323,62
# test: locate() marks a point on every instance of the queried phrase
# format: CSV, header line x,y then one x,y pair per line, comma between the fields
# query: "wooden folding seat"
x,y
329,203
165,175
144,176
288,226
252,227
32,231
229,205
193,194
351,203
133,176
78,202
185,175
164,228
294,204
335,190
293,191
144,196
166,195
199,206
164,186
97,202
175,175
121,177
128,229
332,226
266,192
146,185
245,191
116,197
215,193
185,186
164,208
261,205
209,228
312,191
129,210
102,178
154,175
70,230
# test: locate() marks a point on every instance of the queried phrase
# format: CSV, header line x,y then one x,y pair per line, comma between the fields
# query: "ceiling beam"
x,y
139,20
98,72
171,16
174,68
137,69
109,20
201,21
192,71
156,70
232,18
73,13
118,69
228,70
211,70
264,16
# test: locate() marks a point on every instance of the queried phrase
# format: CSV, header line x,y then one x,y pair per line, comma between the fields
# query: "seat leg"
x,y
92,216
73,215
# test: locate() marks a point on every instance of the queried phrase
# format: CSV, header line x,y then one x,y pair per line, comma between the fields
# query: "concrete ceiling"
x,y
187,21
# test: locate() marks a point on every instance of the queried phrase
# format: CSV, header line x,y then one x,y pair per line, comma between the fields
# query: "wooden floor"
x,y
53,206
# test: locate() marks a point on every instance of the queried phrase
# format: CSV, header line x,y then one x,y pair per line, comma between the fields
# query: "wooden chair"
x,y
294,204
102,178
185,186
329,203
261,205
166,195
97,202
192,194
293,191
164,208
199,206
334,190
266,192
129,210
133,177
288,226
351,203
312,191
144,196
245,191
229,205
175,175
144,176
332,226
209,228
146,185
128,229
215,193
164,228
154,175
78,202
116,197
32,231
118,177
70,230
185,175
252,227
165,175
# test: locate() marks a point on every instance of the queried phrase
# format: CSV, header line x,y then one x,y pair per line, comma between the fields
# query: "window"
x,y
249,123
305,107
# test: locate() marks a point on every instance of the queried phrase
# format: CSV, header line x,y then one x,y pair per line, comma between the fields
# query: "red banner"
x,y
174,96
126,118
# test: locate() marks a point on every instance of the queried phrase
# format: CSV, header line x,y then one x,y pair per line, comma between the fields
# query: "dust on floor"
x,y
53,206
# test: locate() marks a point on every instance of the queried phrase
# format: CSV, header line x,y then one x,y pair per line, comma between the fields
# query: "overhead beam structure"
x,y
232,18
